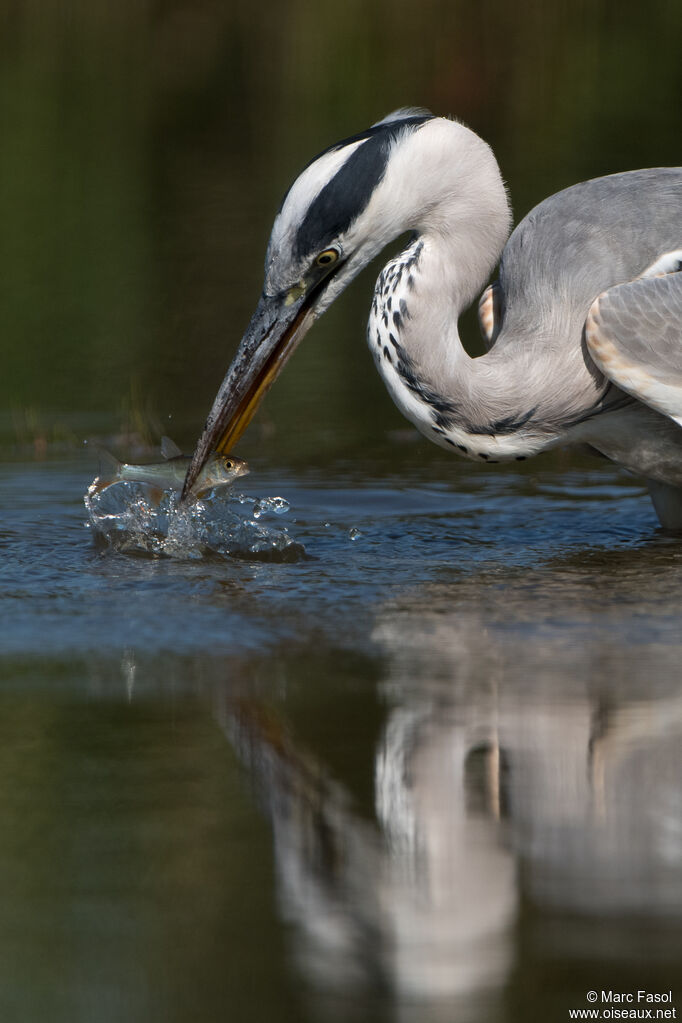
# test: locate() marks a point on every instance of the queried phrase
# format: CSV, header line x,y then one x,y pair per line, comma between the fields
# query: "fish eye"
x,y
327,257
229,464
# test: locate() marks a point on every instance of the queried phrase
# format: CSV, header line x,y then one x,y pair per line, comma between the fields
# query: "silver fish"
x,y
219,471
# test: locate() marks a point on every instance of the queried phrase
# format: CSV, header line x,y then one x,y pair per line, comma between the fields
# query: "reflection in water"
x,y
423,904
586,708
516,767
450,896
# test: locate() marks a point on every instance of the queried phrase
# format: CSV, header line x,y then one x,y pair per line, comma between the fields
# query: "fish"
x,y
219,471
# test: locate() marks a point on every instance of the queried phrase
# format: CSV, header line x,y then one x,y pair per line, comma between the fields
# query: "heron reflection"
x,y
422,901
503,775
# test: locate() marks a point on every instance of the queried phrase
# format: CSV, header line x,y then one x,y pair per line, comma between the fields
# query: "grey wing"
x,y
634,334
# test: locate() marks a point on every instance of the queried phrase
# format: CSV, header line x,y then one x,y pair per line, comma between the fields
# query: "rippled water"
x,y
427,769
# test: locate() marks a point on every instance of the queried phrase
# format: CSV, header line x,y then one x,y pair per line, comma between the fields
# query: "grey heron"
x,y
582,327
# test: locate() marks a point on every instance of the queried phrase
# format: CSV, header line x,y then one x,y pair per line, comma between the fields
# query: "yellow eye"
x,y
229,464
327,257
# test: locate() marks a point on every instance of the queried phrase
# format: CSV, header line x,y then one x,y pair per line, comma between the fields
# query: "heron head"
x,y
333,220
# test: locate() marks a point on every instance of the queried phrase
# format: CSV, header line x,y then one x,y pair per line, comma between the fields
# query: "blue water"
x,y
429,761
362,543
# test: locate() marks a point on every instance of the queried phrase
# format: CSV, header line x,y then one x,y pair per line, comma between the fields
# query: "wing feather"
x,y
490,314
634,334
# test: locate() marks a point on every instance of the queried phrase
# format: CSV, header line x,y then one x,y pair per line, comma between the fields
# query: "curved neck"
x,y
449,181
471,405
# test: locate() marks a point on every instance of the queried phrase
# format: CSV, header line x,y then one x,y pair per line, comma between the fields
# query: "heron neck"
x,y
471,404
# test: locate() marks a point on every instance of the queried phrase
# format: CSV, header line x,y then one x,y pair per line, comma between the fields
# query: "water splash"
x,y
278,505
128,517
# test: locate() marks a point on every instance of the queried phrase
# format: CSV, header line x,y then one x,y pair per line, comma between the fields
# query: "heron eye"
x,y
327,257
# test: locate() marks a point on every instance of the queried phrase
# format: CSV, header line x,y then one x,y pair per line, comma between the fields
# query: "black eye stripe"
x,y
346,195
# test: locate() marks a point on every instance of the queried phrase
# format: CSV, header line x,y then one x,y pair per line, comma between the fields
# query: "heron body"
x,y
583,327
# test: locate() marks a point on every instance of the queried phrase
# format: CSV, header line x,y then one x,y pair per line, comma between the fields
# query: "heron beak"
x,y
276,328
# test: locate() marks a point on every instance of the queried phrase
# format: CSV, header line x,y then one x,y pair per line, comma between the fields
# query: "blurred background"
x,y
146,146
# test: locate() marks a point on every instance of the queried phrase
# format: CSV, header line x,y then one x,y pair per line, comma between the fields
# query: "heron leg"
x,y
667,501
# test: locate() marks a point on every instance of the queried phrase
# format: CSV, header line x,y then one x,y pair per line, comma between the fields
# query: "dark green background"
x,y
145,147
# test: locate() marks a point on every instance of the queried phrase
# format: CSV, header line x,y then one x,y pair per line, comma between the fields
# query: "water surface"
x,y
409,775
